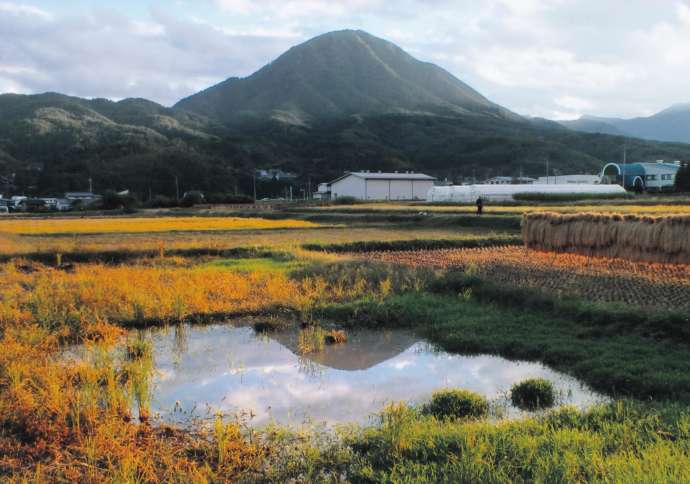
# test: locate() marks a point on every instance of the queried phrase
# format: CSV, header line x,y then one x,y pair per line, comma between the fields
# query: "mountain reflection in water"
x,y
205,369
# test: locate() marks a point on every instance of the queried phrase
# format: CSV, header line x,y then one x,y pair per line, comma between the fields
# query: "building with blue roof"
x,y
641,176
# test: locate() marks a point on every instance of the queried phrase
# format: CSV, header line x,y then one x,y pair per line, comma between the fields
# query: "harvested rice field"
x,y
664,286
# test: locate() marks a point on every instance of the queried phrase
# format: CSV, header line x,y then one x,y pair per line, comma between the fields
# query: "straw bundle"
x,y
650,239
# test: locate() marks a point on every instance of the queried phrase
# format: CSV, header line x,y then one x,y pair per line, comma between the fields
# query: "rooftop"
x,y
367,175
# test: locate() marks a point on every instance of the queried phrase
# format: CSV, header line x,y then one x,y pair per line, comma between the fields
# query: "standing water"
x,y
203,370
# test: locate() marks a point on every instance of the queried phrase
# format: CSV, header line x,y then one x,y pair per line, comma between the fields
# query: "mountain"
x,y
341,74
342,101
672,124
49,113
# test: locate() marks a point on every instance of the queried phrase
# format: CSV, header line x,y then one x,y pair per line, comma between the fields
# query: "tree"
x,y
118,201
683,178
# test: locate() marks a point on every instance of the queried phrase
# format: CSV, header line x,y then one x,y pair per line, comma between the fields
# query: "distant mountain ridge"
x,y
52,112
340,74
341,101
671,124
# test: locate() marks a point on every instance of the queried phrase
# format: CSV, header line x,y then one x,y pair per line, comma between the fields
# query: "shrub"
x,y
345,201
230,198
533,394
123,201
161,201
456,404
191,198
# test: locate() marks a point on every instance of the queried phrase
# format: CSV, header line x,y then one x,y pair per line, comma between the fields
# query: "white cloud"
x,y
23,9
536,57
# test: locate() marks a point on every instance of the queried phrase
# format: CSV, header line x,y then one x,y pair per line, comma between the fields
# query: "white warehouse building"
x,y
365,185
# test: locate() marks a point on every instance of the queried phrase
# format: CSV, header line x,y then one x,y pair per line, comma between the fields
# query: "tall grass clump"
x,y
533,394
456,404
650,239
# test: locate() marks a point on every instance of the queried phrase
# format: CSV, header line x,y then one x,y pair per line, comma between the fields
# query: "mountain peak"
x,y
338,74
675,108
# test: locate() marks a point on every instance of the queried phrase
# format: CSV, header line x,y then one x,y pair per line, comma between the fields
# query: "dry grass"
x,y
167,242
111,225
653,239
72,420
169,290
661,286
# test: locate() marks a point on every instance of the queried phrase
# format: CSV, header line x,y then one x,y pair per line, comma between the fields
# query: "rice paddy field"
x,y
665,286
87,303
113,225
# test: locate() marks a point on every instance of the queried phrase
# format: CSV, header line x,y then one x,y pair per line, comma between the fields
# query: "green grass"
x,y
533,394
416,244
456,403
264,264
616,363
621,442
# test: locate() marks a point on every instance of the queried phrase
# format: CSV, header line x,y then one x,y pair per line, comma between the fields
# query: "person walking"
x,y
480,206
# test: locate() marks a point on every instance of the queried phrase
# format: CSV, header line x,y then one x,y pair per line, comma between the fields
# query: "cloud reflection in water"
x,y
230,369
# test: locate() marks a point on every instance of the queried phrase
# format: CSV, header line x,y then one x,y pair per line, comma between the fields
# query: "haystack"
x,y
640,238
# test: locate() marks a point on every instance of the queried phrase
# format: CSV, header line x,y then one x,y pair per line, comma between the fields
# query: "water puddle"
x,y
203,370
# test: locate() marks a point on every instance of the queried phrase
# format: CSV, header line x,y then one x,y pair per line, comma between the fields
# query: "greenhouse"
x,y
503,193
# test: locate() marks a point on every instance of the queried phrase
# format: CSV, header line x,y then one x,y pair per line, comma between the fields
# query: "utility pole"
x,y
625,161
254,182
177,189
90,185
547,169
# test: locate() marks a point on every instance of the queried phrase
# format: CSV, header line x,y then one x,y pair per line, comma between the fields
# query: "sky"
x,y
557,59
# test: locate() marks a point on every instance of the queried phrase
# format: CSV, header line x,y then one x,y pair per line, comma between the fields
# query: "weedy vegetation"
x,y
67,417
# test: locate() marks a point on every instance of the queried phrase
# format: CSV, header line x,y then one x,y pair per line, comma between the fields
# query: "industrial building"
x,y
366,185
563,179
509,180
641,176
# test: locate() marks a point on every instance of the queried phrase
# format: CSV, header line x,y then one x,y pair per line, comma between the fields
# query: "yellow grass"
x,y
144,225
170,241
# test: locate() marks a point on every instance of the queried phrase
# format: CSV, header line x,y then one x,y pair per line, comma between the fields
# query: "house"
x,y
366,185
83,198
509,180
641,176
323,192
63,204
561,179
274,174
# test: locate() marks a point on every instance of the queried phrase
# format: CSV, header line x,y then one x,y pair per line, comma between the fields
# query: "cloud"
x,y
22,9
530,55
106,54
